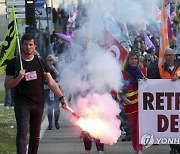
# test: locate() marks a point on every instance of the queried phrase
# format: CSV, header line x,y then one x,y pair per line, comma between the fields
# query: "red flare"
x,y
72,112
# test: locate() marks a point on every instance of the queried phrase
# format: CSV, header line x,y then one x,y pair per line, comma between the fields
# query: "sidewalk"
x,y
66,141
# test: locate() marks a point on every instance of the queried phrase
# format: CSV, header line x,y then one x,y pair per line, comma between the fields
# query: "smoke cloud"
x,y
88,71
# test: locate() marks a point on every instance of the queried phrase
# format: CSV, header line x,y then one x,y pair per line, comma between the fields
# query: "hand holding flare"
x,y
72,111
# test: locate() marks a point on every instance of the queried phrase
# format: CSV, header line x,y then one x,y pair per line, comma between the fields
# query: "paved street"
x,y
66,141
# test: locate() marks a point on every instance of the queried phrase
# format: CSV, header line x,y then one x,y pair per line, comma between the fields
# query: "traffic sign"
x,y
39,4
15,3
16,9
18,16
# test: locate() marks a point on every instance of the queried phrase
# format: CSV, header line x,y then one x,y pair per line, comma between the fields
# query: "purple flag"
x,y
148,42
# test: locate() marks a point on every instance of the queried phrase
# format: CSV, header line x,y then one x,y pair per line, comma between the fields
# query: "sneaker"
x,y
50,127
101,152
57,126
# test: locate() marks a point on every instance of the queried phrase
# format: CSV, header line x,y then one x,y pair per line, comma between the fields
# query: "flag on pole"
x,y
119,52
9,44
110,43
170,30
164,42
148,42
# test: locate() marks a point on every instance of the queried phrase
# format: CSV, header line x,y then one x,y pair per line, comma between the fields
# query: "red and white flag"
x,y
115,47
120,52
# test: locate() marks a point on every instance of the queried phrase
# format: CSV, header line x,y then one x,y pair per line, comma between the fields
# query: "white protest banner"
x,y
159,111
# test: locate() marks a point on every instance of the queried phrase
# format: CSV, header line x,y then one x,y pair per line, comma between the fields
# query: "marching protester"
x,y
129,95
51,99
63,43
27,83
147,60
8,100
168,70
27,80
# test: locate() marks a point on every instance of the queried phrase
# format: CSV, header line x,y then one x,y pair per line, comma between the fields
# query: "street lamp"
x,y
49,7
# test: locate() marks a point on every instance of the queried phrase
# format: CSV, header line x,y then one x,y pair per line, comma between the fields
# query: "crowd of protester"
x,y
144,43
146,53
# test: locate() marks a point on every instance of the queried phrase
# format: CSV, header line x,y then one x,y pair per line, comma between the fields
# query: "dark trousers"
x,y
88,144
28,117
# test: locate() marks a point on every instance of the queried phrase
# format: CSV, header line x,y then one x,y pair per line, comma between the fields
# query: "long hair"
x,y
130,54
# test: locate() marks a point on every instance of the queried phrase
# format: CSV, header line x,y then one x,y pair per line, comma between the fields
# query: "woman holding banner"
x,y
131,74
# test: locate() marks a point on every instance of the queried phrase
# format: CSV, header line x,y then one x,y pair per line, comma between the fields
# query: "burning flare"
x,y
97,115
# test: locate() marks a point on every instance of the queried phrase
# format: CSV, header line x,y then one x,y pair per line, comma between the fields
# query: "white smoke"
x,y
91,71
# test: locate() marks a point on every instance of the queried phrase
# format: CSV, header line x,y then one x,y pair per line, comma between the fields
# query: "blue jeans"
x,y
53,105
8,101
28,117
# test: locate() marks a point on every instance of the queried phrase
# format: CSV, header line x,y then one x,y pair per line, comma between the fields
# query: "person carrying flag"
x,y
29,93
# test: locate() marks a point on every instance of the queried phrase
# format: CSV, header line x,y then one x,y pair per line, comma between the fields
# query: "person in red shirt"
x,y
131,74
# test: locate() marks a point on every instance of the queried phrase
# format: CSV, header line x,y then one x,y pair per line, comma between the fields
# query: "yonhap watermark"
x,y
148,139
166,140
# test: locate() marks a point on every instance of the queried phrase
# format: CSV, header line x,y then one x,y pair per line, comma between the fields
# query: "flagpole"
x,y
19,51
18,45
